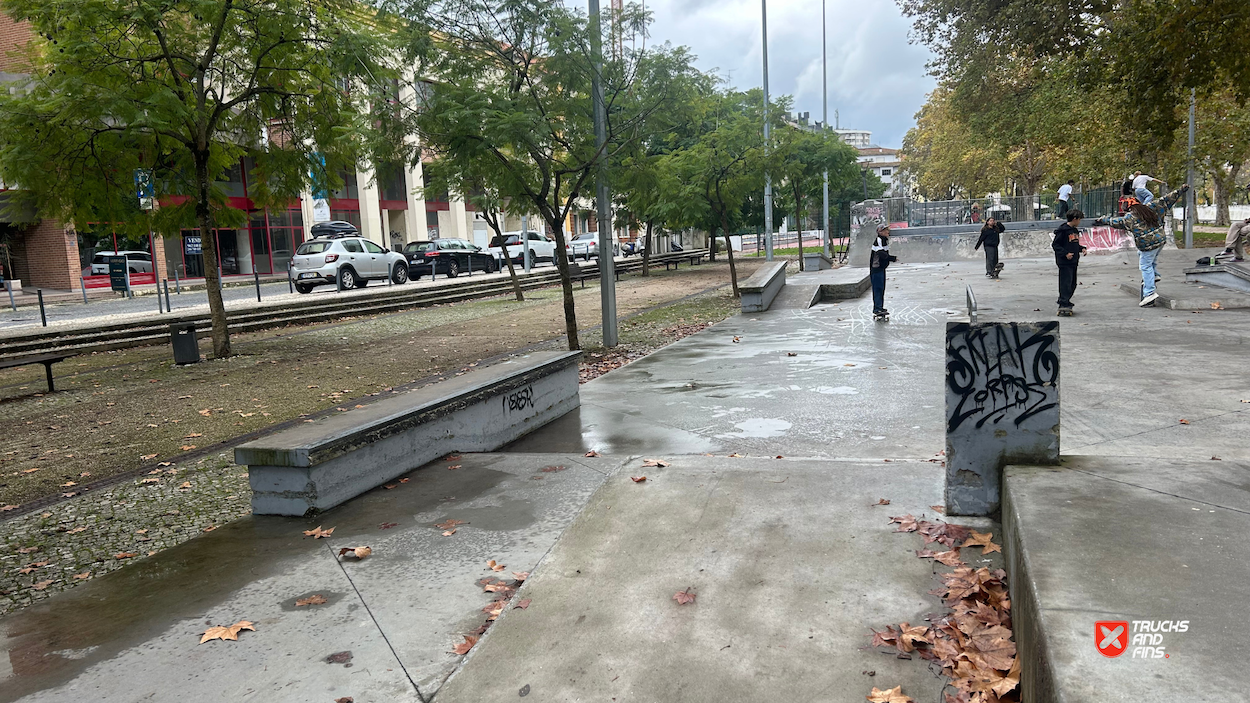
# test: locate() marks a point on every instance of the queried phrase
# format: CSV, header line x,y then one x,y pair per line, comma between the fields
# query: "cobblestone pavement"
x,y
49,551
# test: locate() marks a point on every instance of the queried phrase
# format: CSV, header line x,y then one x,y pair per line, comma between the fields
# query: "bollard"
x,y
159,307
167,305
470,266
8,285
43,315
390,275
338,282
177,282
256,276
290,282
83,281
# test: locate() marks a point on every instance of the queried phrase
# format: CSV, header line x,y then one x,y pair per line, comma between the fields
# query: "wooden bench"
x,y
46,359
315,466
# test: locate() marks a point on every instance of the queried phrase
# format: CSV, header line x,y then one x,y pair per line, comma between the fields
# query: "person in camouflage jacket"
x,y
1145,222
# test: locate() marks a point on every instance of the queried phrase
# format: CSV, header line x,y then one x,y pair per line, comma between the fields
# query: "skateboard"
x,y
998,268
1064,312
883,316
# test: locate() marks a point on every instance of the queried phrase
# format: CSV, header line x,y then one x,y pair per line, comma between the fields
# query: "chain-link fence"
x,y
1042,206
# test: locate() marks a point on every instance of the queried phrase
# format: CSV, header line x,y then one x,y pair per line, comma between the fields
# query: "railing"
x,y
1042,206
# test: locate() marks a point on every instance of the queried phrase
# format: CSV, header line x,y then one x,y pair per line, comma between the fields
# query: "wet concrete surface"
x,y
134,634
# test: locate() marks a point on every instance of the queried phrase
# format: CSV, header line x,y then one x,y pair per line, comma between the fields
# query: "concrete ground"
x,y
789,563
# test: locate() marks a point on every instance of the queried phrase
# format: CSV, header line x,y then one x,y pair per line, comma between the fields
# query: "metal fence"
x,y
1043,206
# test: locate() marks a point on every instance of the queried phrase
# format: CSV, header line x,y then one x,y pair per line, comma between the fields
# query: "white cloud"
x,y
877,81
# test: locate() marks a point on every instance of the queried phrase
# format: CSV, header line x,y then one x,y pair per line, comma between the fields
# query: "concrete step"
x,y
1129,539
796,296
1194,297
1230,275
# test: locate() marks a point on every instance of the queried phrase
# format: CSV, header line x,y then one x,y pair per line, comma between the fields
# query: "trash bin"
x,y
186,346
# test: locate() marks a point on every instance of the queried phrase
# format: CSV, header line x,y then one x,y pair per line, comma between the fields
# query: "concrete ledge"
x,y
1128,539
318,465
816,261
1192,297
1229,275
846,283
759,290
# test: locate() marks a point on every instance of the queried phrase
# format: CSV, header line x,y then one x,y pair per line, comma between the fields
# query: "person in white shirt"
x,y
1140,191
1064,202
1234,244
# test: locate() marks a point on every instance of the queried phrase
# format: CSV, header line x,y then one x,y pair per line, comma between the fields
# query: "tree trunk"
x,y
1225,182
798,221
646,250
711,245
729,251
566,282
208,242
503,247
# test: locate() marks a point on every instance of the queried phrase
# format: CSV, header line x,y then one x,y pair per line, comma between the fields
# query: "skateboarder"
x,y
990,238
1068,250
1146,224
878,261
1235,243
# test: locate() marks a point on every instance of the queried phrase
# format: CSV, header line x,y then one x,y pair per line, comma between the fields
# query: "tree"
x,y
942,157
186,88
510,83
1223,145
800,159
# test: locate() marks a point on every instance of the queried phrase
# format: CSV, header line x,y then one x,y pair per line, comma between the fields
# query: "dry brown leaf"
x,y
193,435
453,467
43,584
684,597
552,469
146,457
520,575
449,533
210,528
523,604
345,699
318,533
1184,421
315,599
389,486
206,412
404,480
67,484
906,523
909,636
185,484
466,645
591,453
7,508
889,695
949,558
882,501
655,462
149,480
792,354
449,523
735,455
125,555
223,632
939,509
82,576
982,539
80,528
637,479
495,566
356,552
188,447
28,550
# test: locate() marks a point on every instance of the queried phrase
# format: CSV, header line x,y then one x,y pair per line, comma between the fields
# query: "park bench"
x,y
759,290
46,359
315,466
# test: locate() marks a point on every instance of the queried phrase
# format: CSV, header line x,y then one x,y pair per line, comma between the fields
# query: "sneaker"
x,y
1148,300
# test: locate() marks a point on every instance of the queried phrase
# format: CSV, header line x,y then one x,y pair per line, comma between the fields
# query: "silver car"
x,y
584,245
349,261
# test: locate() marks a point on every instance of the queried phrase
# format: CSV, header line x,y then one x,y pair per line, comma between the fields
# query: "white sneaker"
x,y
1148,300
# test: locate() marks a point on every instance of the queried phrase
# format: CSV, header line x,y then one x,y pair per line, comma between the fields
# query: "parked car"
x,y
541,247
351,261
448,256
584,245
136,261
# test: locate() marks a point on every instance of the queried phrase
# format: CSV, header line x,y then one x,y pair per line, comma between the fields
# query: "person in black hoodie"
x,y
1068,250
990,238
878,261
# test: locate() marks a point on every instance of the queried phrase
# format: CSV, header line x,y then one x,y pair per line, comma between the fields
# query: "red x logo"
x,y
1111,637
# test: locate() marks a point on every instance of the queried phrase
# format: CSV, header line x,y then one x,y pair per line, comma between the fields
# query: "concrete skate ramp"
x,y
957,242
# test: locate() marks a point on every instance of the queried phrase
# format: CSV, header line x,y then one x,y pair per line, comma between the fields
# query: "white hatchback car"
x,y
541,248
351,261
136,261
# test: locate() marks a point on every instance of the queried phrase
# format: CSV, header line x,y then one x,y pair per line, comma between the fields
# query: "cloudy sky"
x,y
877,81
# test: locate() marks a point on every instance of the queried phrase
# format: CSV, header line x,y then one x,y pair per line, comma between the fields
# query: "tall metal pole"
x,y
607,261
768,181
824,118
1189,176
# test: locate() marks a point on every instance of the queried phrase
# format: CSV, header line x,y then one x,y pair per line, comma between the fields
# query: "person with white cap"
x,y
879,259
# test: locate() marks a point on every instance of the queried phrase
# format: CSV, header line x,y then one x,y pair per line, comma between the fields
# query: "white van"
x,y
136,261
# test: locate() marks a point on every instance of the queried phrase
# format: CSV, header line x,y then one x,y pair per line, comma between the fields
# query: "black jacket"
x,y
989,235
1063,247
880,257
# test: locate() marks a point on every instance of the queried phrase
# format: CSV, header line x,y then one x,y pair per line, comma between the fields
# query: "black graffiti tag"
x,y
519,400
1001,372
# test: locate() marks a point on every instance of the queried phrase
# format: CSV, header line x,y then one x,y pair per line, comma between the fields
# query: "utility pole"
x,y
768,181
824,118
607,256
1189,176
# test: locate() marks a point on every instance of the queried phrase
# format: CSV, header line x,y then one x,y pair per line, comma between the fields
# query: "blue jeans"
x,y
877,276
1143,195
1148,260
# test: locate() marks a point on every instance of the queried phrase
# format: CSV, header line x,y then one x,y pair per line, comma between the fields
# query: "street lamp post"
x,y
607,261
1189,175
824,119
768,182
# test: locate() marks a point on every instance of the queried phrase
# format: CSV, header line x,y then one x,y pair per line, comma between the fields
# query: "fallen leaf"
x,y
83,575
939,509
1184,421
449,533
356,552
80,528
466,645
223,632
210,528
848,364
949,558
449,523
495,566
593,453
906,523
404,480
184,397
523,604
125,555
188,447
520,575
735,455
28,550
145,457
389,486
982,539
1217,306
791,354
388,525
7,508
316,599
660,463
883,501
345,699
889,695
43,584
553,469
193,435
684,597
637,479
737,339
185,484
453,467
208,413
67,484
318,533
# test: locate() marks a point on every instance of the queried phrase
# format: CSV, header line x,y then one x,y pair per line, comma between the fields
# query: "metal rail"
x,y
972,306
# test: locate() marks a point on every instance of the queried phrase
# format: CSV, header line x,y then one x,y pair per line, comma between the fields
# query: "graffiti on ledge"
x,y
519,400
1001,371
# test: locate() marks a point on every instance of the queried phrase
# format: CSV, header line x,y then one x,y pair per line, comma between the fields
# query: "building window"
x,y
885,171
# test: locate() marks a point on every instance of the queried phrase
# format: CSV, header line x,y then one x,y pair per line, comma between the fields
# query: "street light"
x,y
768,182
824,119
